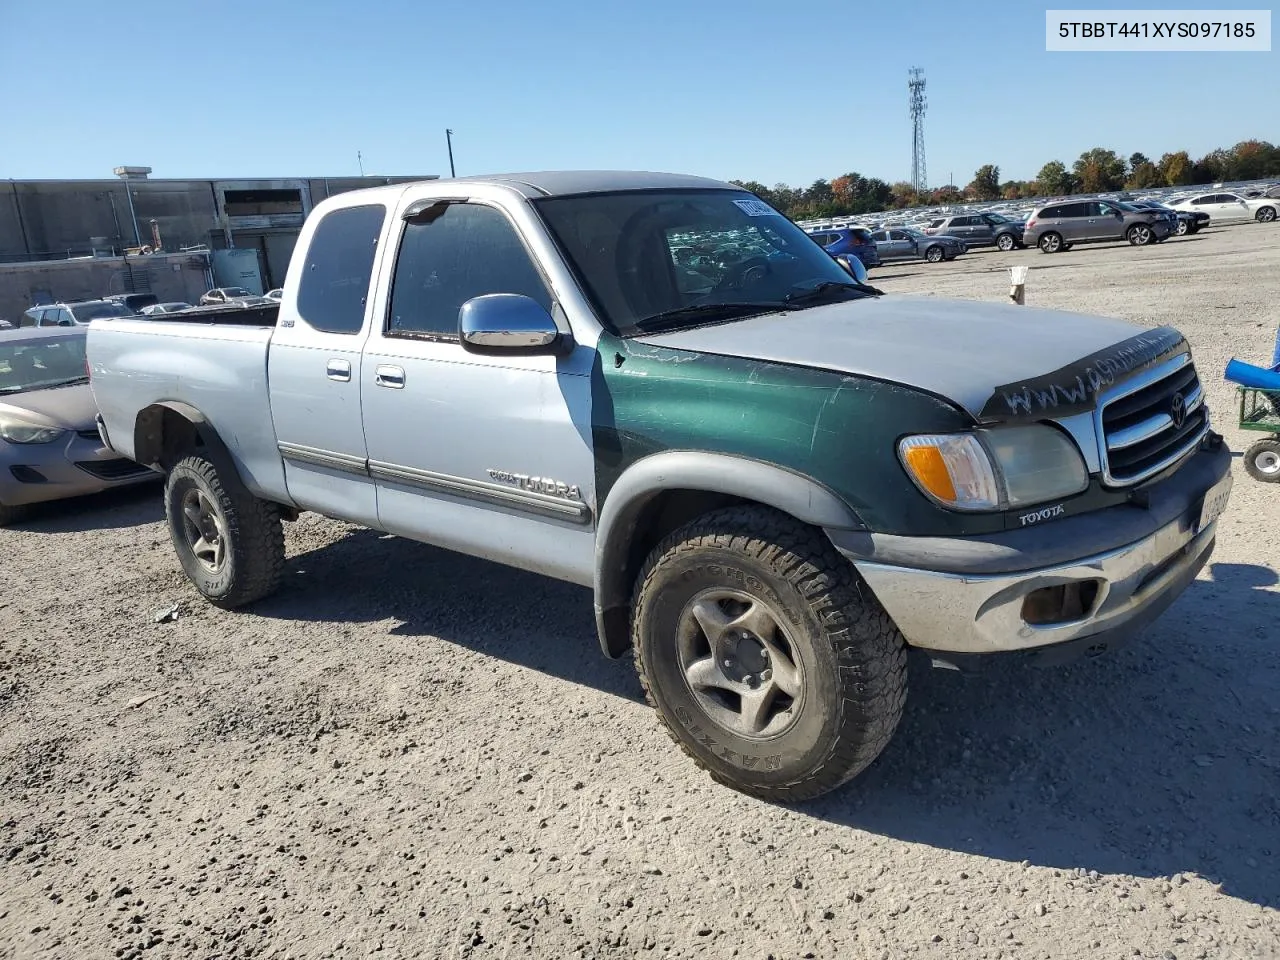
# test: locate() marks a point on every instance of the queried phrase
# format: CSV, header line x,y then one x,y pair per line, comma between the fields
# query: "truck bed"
x,y
226,315
214,362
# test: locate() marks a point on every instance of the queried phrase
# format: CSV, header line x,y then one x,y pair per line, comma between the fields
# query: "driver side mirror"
x,y
854,266
509,323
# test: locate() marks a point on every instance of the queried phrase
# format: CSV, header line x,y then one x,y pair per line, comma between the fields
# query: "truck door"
x,y
313,368
487,455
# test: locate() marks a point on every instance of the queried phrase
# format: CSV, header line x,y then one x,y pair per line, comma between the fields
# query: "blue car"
x,y
849,242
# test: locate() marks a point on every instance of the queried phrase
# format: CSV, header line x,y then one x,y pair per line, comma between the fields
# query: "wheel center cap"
x,y
746,658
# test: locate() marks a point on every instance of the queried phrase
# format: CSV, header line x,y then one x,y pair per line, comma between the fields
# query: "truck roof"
x,y
559,183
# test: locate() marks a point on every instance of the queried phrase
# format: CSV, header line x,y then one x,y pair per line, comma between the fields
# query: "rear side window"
x,y
468,251
1050,213
339,265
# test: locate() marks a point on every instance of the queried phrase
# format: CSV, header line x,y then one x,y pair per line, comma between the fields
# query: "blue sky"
x,y
769,91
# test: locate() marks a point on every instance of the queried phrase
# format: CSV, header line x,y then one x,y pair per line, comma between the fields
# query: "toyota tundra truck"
x,y
776,479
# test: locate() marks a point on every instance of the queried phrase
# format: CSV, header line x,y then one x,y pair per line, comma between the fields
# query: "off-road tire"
x,y
253,559
1262,460
1006,242
852,656
1051,243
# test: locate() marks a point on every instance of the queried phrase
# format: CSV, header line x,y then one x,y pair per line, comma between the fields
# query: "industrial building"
x,y
242,230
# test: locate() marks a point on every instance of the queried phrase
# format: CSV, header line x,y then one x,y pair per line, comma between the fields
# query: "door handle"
x,y
338,370
388,376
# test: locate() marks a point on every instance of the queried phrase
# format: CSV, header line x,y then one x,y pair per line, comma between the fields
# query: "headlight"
x,y
995,469
19,431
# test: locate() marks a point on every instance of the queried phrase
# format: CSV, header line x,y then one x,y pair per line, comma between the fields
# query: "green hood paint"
x,y
837,429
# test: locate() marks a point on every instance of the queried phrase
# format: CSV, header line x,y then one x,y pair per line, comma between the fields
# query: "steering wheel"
x,y
744,273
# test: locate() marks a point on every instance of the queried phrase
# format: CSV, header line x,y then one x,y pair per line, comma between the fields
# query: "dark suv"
x,y
979,229
1059,225
849,242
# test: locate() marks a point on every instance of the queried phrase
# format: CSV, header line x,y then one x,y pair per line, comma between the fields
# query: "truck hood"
x,y
71,408
996,361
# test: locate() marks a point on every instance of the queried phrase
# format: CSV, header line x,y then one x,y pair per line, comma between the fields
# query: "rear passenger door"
x,y
313,364
1073,221
486,454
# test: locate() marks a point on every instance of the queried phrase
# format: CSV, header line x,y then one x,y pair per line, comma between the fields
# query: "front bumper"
x,y
970,599
68,467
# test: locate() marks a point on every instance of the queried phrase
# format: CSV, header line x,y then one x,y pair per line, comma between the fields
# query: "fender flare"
x,y
148,444
764,483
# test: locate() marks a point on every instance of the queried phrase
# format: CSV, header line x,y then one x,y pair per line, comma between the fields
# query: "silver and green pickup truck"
x,y
775,479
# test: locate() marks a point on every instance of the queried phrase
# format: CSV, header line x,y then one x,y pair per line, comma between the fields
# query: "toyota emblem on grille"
x,y
1178,410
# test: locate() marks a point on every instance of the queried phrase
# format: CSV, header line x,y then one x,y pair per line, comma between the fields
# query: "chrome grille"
x,y
1150,422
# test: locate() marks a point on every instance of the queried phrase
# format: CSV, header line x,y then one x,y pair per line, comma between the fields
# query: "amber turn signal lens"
x,y
931,472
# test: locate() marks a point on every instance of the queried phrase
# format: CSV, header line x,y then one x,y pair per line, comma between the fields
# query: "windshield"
x,y
648,254
996,218
84,312
236,292
912,232
34,364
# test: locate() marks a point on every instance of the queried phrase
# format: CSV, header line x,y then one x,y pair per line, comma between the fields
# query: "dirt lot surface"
x,y
406,753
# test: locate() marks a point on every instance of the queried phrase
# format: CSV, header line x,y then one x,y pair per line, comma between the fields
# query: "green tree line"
x,y
1096,171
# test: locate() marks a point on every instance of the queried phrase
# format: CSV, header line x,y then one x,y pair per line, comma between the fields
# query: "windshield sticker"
x,y
756,208
1074,388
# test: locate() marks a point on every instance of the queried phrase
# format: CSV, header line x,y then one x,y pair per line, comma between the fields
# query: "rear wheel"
x,y
1262,460
1051,243
230,543
766,660
1005,242
1265,214
1140,235
934,254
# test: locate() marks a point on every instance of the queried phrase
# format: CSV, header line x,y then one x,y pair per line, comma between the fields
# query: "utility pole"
x,y
360,161
448,136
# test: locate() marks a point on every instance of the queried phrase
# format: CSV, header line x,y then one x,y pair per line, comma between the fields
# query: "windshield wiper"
x,y
703,312
53,385
827,288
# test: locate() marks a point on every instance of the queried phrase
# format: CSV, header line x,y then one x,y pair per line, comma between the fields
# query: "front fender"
x,y
697,472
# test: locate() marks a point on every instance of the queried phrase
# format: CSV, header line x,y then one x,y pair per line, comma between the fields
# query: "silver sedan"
x,y
904,243
49,444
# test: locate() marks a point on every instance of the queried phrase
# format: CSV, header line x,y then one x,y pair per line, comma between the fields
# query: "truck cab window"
x,y
467,252
339,263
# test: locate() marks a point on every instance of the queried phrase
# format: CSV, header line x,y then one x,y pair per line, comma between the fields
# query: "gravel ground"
x,y
411,754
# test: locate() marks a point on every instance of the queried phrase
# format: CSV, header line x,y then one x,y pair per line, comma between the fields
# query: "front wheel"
x,y
1005,242
1050,243
934,254
230,543
1262,460
1140,235
766,661
1265,214
1183,228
